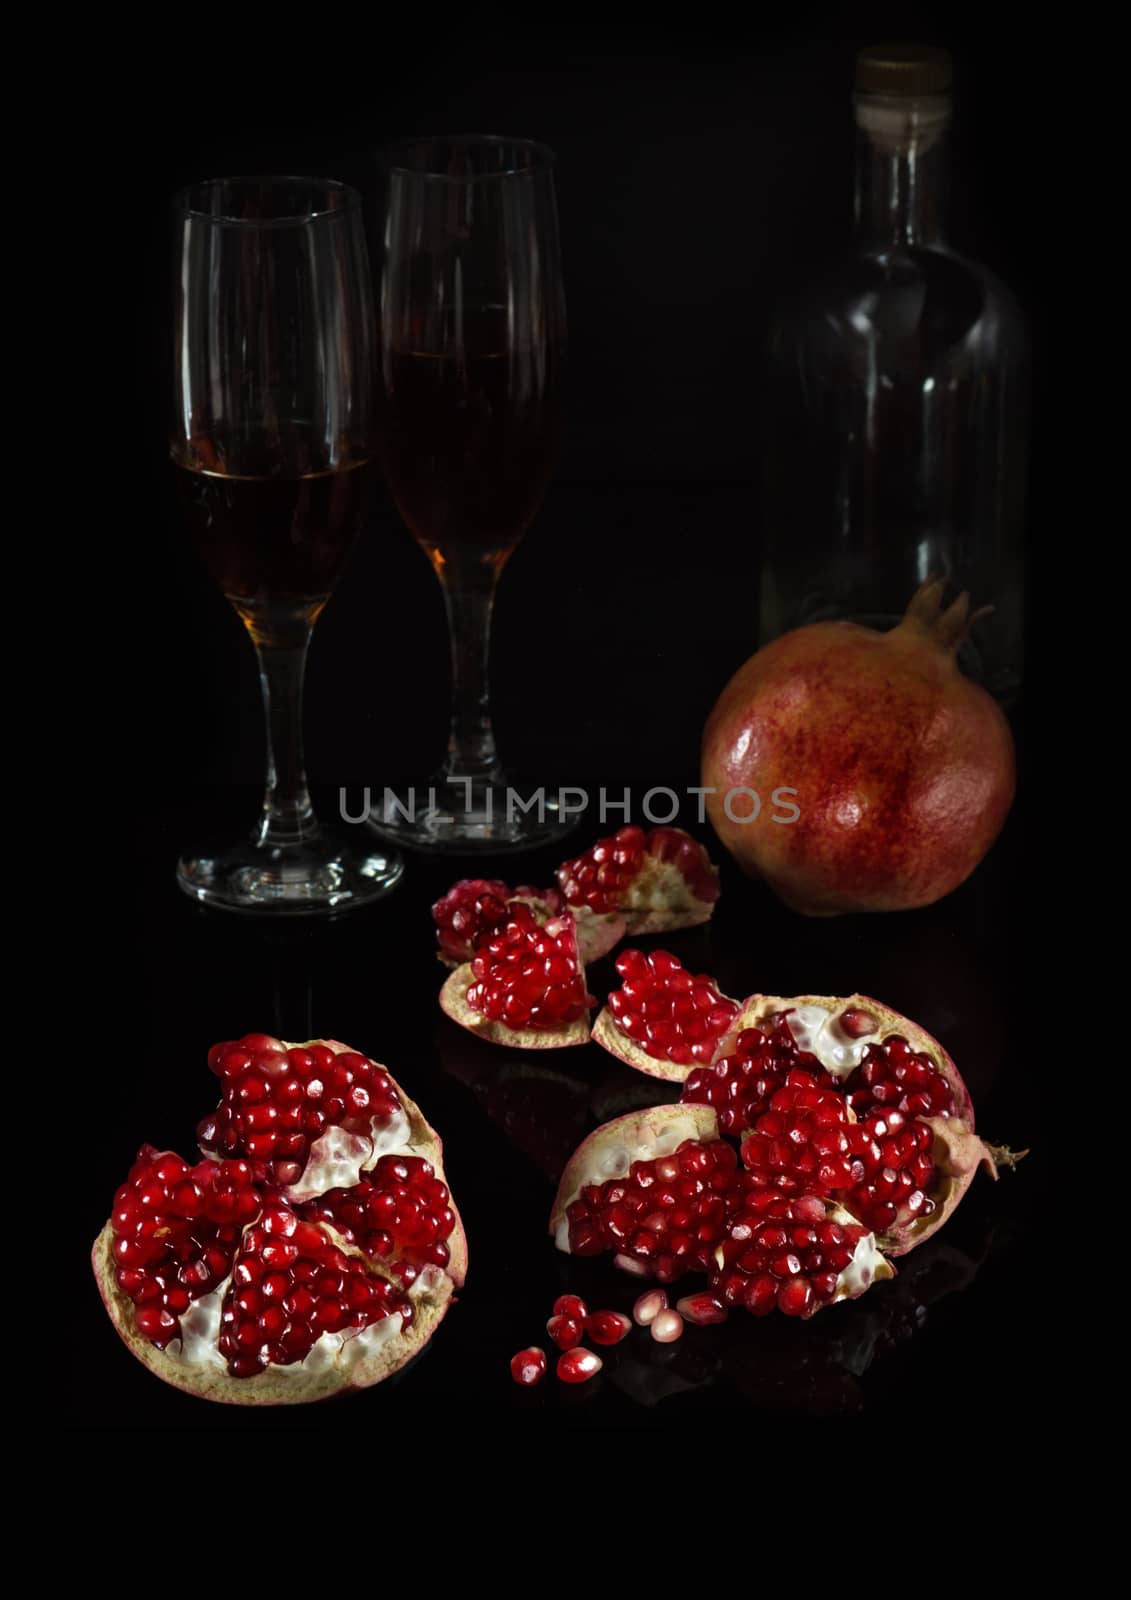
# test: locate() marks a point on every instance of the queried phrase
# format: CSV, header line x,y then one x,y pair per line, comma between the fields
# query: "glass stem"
x,y
288,815
469,597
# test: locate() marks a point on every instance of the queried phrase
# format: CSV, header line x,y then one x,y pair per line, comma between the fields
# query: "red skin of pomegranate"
x,y
295,1386
903,767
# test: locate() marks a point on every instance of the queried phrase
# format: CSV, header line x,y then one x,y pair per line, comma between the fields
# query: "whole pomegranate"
x,y
901,768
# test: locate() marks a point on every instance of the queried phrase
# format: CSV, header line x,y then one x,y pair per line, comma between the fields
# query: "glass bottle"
x,y
895,423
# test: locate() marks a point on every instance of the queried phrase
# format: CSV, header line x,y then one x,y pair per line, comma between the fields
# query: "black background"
x,y
699,174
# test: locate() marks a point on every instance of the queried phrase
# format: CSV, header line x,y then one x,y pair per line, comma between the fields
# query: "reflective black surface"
x,y
959,1320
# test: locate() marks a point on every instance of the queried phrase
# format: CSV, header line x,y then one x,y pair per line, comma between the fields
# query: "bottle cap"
x,y
909,71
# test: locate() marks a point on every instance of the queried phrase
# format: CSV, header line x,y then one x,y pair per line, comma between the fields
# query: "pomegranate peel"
x,y
199,1272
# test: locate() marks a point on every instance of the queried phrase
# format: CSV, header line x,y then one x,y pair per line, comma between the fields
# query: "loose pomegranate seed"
x,y
529,976
665,1216
667,1327
741,1085
565,1332
607,1327
276,1103
784,1252
649,1306
578,1366
528,1367
702,1309
571,1305
670,1013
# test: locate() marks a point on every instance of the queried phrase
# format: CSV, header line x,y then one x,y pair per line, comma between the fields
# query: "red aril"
x,y
571,1305
566,1332
702,1309
241,1288
607,1327
528,1367
794,1255
578,1366
663,1019
902,768
474,906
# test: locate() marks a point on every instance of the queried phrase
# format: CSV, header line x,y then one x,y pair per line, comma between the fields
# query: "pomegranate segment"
x,y
668,1213
176,1230
794,1255
234,1284
525,986
658,881
291,1287
399,1213
663,1019
280,1106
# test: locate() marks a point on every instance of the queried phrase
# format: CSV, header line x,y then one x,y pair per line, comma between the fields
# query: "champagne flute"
x,y
272,446
472,341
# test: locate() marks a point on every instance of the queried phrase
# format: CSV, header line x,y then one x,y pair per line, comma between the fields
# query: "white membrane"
x,y
819,1031
860,1270
338,1158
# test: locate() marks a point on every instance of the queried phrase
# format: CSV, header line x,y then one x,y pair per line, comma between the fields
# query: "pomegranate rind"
x,y
609,1151
957,1153
597,932
453,1003
292,1385
660,900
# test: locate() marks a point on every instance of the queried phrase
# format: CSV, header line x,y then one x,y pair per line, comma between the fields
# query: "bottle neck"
x,y
901,164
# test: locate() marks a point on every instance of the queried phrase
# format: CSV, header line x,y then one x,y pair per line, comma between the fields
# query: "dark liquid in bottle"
x,y
469,438
274,543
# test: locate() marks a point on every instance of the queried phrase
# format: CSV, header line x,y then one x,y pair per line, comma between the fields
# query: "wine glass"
x,y
472,341
272,443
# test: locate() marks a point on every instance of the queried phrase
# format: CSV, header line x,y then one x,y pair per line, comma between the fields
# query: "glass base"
x,y
465,816
331,873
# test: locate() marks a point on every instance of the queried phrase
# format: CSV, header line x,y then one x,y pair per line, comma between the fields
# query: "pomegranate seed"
x,y
578,1366
528,1367
649,1306
565,1332
571,1305
529,976
702,1309
607,1327
670,1014
667,1327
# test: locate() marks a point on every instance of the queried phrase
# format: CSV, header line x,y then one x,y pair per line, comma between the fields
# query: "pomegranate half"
x,y
314,1252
